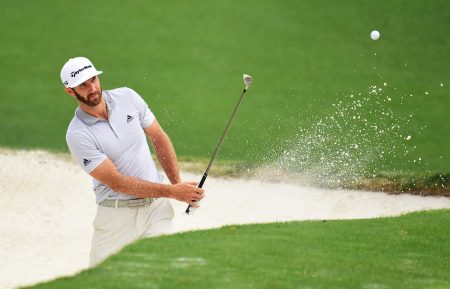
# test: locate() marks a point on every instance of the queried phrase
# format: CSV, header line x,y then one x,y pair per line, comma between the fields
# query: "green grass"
x,y
187,59
410,251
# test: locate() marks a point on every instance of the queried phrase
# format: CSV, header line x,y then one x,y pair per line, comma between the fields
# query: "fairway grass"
x,y
308,58
409,251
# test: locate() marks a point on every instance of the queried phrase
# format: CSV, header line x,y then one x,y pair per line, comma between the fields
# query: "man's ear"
x,y
69,91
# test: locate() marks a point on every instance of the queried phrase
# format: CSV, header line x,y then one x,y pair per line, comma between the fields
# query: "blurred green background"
x,y
310,60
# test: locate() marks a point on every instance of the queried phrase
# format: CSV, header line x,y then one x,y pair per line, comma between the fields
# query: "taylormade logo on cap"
x,y
74,73
77,70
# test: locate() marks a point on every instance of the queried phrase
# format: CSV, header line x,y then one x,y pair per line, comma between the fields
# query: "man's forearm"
x,y
185,192
140,188
108,174
167,158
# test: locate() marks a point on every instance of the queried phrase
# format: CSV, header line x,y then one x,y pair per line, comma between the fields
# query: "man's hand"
x,y
187,192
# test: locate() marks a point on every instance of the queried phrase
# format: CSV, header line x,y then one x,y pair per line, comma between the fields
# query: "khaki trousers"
x,y
115,228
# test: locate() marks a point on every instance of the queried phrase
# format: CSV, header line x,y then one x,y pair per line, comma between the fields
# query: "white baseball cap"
x,y
77,70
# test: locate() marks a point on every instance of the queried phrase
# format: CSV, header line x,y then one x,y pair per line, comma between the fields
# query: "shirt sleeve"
x,y
146,116
85,151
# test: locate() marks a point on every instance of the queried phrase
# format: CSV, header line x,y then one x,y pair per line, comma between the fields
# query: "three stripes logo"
x,y
86,162
129,118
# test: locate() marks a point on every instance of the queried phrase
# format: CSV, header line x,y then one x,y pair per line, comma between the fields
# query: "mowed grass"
x,y
410,251
186,59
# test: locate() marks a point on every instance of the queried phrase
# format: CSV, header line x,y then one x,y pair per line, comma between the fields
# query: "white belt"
x,y
136,203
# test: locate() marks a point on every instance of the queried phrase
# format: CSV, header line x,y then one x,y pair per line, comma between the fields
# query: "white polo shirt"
x,y
121,138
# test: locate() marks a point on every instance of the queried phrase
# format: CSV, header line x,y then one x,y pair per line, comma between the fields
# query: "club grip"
x,y
189,208
200,185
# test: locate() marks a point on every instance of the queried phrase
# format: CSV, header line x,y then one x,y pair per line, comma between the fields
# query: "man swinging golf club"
x,y
107,137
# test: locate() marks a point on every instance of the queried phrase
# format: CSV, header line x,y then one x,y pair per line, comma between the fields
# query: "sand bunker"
x,y
48,207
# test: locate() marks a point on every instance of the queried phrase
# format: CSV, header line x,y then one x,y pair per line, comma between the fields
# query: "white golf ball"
x,y
374,35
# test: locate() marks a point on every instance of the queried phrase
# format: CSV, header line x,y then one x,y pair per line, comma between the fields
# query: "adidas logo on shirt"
x,y
129,118
86,162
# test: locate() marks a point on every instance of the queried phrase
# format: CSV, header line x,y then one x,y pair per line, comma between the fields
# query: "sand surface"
x,y
48,207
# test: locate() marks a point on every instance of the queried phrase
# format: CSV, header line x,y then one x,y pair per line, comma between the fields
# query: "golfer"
x,y
107,137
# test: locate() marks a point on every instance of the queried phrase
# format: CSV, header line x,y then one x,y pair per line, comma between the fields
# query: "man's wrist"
x,y
166,191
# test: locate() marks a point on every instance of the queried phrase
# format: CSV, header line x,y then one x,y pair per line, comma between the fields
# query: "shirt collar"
x,y
91,120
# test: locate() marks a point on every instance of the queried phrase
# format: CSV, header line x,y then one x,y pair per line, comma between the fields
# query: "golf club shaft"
x,y
205,175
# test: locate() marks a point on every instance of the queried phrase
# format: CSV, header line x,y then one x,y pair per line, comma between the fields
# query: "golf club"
x,y
247,81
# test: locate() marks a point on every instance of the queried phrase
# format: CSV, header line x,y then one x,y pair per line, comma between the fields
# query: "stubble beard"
x,y
90,100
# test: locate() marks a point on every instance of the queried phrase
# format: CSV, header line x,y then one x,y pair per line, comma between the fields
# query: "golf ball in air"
x,y
374,35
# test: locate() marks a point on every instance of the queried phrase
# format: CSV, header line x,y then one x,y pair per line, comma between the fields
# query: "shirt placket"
x,y
111,122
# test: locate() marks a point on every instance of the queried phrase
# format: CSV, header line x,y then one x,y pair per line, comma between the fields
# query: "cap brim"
x,y
84,78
